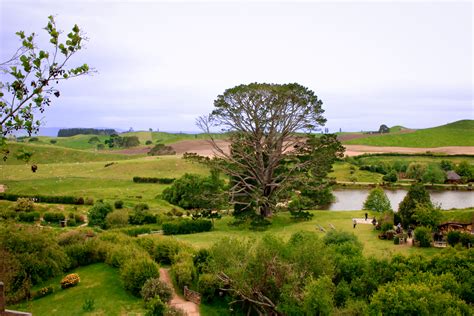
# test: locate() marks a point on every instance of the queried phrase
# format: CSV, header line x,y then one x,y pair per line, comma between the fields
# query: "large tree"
x,y
29,78
268,126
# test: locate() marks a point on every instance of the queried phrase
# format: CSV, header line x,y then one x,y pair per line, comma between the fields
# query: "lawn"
x,y
99,282
454,134
342,172
284,227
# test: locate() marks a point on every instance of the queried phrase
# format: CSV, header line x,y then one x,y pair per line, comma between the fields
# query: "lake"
x,y
352,199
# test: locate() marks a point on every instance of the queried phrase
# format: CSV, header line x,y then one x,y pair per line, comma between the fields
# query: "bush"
x,y
28,217
183,269
135,272
155,307
70,280
161,149
208,286
165,249
186,226
53,141
423,236
89,201
98,213
466,239
141,207
117,218
44,291
100,146
24,205
390,177
153,180
148,142
118,204
153,288
53,217
454,237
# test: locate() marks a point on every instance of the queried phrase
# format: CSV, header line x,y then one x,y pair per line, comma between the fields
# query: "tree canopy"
x,y
269,148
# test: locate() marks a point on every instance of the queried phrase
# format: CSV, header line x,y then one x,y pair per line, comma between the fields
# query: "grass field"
x,y
342,172
99,282
454,134
284,227
368,160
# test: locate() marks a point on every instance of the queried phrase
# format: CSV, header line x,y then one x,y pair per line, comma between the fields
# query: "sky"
x,y
161,64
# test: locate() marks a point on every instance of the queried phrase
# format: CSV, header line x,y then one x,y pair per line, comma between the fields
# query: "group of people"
x,y
399,228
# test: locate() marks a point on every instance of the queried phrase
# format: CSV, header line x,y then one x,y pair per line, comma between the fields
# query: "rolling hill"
x,y
459,133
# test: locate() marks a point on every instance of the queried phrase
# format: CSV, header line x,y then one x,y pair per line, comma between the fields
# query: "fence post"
x,y
2,298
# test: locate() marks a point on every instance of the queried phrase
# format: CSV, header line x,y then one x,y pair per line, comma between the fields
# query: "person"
x,y
354,221
366,216
374,221
410,232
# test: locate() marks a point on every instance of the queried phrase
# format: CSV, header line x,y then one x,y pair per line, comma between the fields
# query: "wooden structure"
x,y
3,310
450,226
452,177
192,296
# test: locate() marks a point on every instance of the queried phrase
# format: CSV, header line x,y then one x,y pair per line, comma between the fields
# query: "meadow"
x,y
454,134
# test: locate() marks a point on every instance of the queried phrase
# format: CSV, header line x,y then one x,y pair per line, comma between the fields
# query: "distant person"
x,y
374,221
366,216
410,232
354,222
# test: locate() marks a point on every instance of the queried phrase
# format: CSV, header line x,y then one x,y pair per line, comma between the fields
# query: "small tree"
x,y
98,213
384,129
390,177
427,215
416,170
416,196
465,170
446,165
377,201
433,174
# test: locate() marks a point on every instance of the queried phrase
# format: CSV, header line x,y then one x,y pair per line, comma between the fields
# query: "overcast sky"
x,y
161,64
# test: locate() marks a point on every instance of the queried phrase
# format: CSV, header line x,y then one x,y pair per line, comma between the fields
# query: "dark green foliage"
x,y
427,215
192,191
259,223
148,142
465,170
42,198
116,141
319,297
142,218
186,226
382,169
98,213
141,207
153,180
68,132
453,237
53,141
53,217
384,129
183,269
423,236
208,286
400,165
390,177
161,150
136,271
416,170
446,165
467,239
33,139
416,195
154,287
44,291
118,204
28,217
93,140
100,146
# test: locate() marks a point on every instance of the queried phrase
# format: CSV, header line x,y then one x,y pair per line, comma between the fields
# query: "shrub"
x,y
71,222
454,237
70,280
141,207
165,249
153,180
53,141
259,223
155,307
100,146
423,236
53,217
135,272
390,177
161,149
89,201
183,269
319,297
466,239
98,213
44,291
208,285
24,205
28,217
118,204
88,305
117,218
154,287
148,142
186,226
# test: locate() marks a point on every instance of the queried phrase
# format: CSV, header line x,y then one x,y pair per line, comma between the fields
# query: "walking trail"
x,y
190,308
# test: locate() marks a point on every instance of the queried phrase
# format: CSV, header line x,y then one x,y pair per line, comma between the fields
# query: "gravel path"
x,y
190,308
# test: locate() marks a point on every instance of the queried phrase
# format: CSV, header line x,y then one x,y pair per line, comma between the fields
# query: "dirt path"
x,y
189,308
203,148
2,188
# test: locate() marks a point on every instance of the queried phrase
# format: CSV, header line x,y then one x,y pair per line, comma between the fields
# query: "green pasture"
x,y
99,282
375,159
342,172
454,134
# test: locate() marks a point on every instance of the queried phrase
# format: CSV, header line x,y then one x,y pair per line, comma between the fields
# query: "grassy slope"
x,y
98,281
45,154
93,179
454,134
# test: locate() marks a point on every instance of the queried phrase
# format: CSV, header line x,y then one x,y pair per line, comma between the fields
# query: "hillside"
x,y
46,154
458,133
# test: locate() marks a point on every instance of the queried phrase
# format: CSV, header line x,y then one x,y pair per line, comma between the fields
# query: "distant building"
x,y
452,177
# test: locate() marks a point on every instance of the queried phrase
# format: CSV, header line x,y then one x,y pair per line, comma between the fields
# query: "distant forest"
x,y
67,132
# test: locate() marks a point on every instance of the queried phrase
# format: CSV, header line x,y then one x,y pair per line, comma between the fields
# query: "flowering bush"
x,y
44,291
70,280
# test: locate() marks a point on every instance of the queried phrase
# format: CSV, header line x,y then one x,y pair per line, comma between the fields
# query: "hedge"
x,y
44,198
186,227
153,180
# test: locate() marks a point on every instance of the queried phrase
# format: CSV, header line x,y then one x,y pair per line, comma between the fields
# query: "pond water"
x,y
353,199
